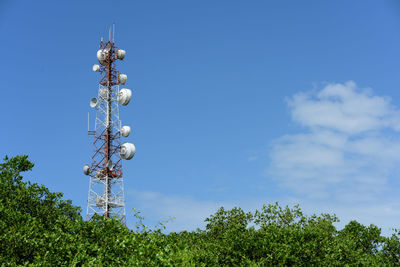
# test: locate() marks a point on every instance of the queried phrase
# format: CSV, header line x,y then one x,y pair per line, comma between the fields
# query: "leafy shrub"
x,y
39,228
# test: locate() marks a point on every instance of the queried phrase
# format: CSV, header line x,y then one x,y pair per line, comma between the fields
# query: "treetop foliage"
x,y
39,228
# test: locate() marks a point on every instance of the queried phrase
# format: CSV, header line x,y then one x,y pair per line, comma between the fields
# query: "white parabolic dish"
x,y
127,151
101,56
124,96
122,78
96,68
93,102
103,93
86,169
125,131
121,54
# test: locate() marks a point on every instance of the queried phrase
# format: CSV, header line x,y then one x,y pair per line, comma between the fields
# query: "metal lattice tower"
x,y
106,186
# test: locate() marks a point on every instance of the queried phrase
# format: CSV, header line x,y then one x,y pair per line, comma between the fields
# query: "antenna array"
x,y
106,190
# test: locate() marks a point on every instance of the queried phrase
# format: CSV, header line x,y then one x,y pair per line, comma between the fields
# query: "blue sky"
x,y
235,103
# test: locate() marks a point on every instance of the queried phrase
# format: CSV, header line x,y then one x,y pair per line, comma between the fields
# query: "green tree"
x,y
29,213
39,228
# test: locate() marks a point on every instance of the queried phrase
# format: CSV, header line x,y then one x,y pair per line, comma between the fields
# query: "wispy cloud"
x,y
252,158
189,213
348,152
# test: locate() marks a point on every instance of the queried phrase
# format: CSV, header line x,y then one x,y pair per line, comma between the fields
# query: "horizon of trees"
x,y
39,228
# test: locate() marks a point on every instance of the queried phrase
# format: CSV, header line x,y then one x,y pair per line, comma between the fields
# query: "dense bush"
x,y
37,227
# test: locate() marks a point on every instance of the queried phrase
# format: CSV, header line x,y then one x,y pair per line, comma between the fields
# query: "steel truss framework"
x,y
106,187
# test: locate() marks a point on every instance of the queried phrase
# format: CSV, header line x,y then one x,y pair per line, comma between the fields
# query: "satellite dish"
x,y
103,93
102,56
86,169
124,96
93,102
99,55
127,151
122,78
121,54
125,131
96,68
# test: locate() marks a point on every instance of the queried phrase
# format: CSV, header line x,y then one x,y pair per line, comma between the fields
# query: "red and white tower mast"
x,y
106,186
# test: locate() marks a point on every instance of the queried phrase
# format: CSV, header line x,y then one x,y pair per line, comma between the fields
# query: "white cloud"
x,y
344,108
348,153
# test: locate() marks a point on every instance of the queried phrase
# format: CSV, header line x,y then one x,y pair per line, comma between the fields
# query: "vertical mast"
x,y
106,191
108,131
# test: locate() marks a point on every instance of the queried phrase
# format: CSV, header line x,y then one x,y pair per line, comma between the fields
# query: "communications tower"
x,y
106,186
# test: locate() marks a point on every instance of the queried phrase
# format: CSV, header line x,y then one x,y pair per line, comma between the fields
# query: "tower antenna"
x,y
113,31
106,187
